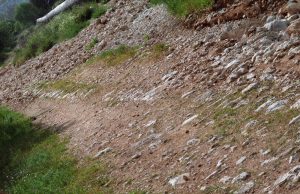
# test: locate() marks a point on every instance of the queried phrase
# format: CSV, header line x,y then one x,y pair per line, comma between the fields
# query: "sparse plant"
x,y
118,55
92,44
182,8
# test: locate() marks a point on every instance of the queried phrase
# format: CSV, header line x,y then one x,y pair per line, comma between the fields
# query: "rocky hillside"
x,y
206,105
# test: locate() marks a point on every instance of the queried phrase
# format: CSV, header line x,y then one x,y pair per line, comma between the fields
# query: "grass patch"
x,y
182,8
138,192
38,161
118,55
66,86
91,44
62,27
155,53
226,121
159,50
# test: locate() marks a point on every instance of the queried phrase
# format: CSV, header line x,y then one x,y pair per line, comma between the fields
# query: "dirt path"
x,y
179,110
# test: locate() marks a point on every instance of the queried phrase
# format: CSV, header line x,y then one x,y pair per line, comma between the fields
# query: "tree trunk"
x,y
57,10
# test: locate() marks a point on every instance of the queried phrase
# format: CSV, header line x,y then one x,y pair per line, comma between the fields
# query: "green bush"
x,y
6,34
27,13
182,8
7,39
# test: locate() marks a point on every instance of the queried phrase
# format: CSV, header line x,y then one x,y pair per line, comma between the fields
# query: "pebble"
x,y
102,152
179,180
246,188
241,177
241,160
189,120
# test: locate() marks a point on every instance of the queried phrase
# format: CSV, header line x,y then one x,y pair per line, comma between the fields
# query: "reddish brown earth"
x,y
140,108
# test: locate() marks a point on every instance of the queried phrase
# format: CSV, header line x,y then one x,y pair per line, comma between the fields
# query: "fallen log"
x,y
57,10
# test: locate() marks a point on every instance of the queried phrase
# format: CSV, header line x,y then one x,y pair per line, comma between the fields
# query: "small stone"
x,y
265,162
270,18
266,152
264,105
293,7
276,106
232,65
136,156
277,25
192,142
241,160
241,177
250,87
296,105
179,180
150,123
212,174
250,76
294,172
219,164
102,152
189,120
203,188
294,28
225,179
295,120
246,188
187,94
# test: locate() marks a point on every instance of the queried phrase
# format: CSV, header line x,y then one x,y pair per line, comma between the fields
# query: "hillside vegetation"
x,y
31,40
37,161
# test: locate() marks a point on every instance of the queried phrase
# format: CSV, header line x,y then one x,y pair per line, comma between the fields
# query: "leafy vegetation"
x,y
182,8
62,27
7,41
33,40
37,161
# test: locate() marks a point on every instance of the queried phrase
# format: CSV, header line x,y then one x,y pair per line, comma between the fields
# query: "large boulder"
x,y
293,7
277,25
294,28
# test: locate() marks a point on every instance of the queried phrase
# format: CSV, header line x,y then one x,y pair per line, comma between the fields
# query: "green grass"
x,y
91,44
38,161
118,55
60,28
138,192
182,8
